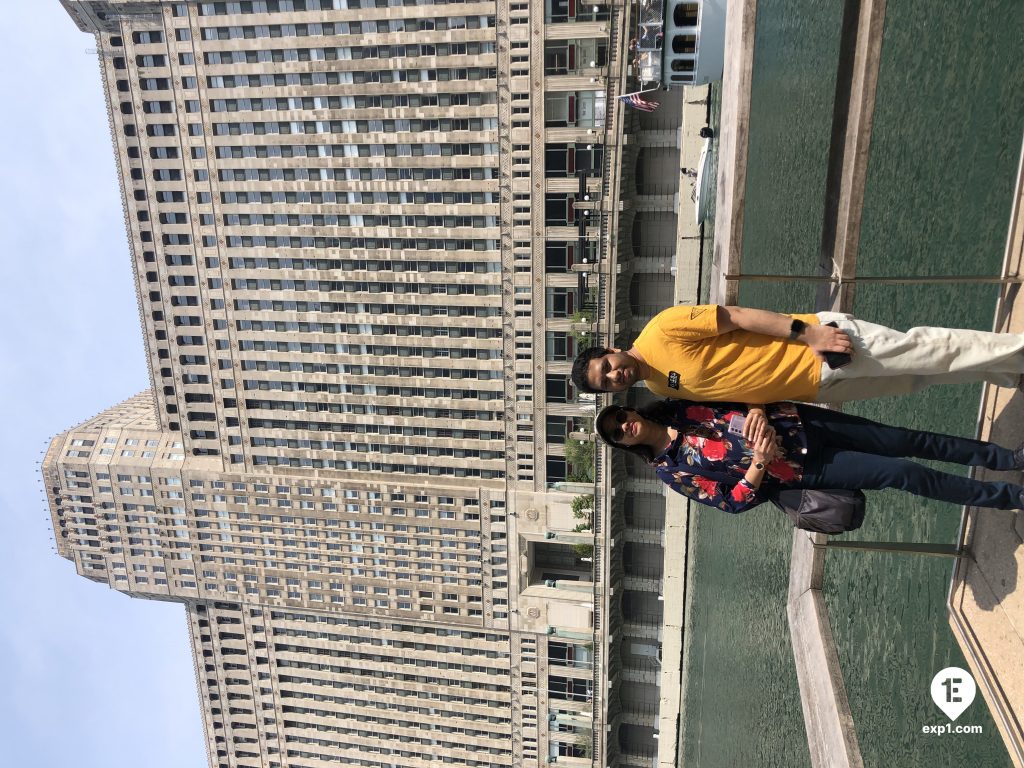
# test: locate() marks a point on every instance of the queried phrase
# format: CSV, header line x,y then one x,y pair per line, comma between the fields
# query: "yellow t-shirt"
x,y
690,360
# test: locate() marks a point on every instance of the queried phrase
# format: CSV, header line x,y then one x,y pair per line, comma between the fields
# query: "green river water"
x,y
944,154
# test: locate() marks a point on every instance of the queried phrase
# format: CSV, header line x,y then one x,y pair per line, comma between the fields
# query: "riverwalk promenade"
x,y
985,599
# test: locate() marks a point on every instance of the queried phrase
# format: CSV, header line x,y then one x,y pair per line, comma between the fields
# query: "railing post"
x,y
906,548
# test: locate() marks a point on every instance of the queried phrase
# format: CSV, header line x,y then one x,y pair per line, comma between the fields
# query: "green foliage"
x,y
583,424
587,749
582,317
582,505
579,455
583,550
583,338
585,744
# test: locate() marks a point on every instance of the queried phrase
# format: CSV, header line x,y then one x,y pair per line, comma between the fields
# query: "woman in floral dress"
x,y
793,445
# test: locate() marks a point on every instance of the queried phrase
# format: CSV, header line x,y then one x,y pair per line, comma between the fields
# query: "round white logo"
x,y
953,690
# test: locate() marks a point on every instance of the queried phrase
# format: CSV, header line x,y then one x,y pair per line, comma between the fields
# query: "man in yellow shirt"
x,y
713,352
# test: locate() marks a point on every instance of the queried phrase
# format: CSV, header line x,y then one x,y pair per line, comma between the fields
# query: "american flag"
x,y
637,102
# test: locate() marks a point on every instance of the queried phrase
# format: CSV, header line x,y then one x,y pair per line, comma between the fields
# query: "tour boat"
x,y
679,42
704,187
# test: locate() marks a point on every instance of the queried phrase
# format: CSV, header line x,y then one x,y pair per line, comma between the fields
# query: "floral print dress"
x,y
707,463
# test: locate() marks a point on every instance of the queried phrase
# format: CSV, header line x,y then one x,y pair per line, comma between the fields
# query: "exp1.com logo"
x,y
953,690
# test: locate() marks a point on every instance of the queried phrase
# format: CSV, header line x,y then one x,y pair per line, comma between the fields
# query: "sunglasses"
x,y
621,417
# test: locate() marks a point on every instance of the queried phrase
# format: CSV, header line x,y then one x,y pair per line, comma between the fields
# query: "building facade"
x,y
368,238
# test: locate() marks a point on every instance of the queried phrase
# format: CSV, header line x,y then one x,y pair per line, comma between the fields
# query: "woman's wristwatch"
x,y
759,466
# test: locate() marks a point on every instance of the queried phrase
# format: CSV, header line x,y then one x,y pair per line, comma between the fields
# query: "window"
x,y
556,388
556,469
143,38
558,209
555,428
559,346
558,302
580,109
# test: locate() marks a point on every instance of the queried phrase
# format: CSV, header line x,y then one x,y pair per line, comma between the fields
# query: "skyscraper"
x,y
362,261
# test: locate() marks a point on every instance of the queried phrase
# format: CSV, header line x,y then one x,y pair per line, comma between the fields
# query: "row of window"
x,y
396,101
283,492
450,266
233,7
351,53
360,409
353,308
387,449
349,286
431,742
369,243
441,723
319,29
346,220
448,198
385,371
295,326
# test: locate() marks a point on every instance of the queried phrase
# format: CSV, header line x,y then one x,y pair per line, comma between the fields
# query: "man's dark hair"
x,y
580,365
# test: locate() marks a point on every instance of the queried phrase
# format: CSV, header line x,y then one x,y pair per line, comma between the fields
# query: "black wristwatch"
x,y
796,328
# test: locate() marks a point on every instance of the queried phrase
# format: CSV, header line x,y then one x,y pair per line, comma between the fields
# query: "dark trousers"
x,y
845,451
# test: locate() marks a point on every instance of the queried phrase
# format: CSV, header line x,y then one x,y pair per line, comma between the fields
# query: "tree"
x,y
583,550
580,456
585,745
583,338
583,505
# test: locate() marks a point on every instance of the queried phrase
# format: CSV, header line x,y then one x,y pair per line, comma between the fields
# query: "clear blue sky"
x,y
91,678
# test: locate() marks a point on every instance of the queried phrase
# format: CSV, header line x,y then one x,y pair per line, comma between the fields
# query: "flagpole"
x,y
639,93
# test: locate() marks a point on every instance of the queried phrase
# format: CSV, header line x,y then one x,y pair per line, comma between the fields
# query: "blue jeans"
x,y
845,451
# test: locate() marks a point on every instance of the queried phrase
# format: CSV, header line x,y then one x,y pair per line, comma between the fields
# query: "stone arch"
x,y
657,171
643,608
653,232
649,293
644,561
637,741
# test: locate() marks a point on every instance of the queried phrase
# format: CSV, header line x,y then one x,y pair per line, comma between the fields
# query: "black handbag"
x,y
822,511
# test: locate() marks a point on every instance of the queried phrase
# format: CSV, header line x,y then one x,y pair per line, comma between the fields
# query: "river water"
x,y
944,153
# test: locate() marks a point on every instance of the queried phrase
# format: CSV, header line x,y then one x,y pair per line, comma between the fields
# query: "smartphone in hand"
x,y
836,360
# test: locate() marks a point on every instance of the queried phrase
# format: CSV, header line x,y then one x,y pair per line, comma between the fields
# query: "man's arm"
x,y
820,338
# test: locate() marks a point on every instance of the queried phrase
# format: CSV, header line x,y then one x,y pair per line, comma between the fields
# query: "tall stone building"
x,y
368,236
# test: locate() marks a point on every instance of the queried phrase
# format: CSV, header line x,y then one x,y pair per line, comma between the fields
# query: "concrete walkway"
x,y
986,601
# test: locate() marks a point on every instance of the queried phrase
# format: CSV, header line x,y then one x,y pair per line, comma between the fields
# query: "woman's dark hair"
x,y
660,412
637,450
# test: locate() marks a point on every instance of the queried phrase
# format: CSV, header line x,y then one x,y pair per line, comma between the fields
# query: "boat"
x,y
703,188
679,42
